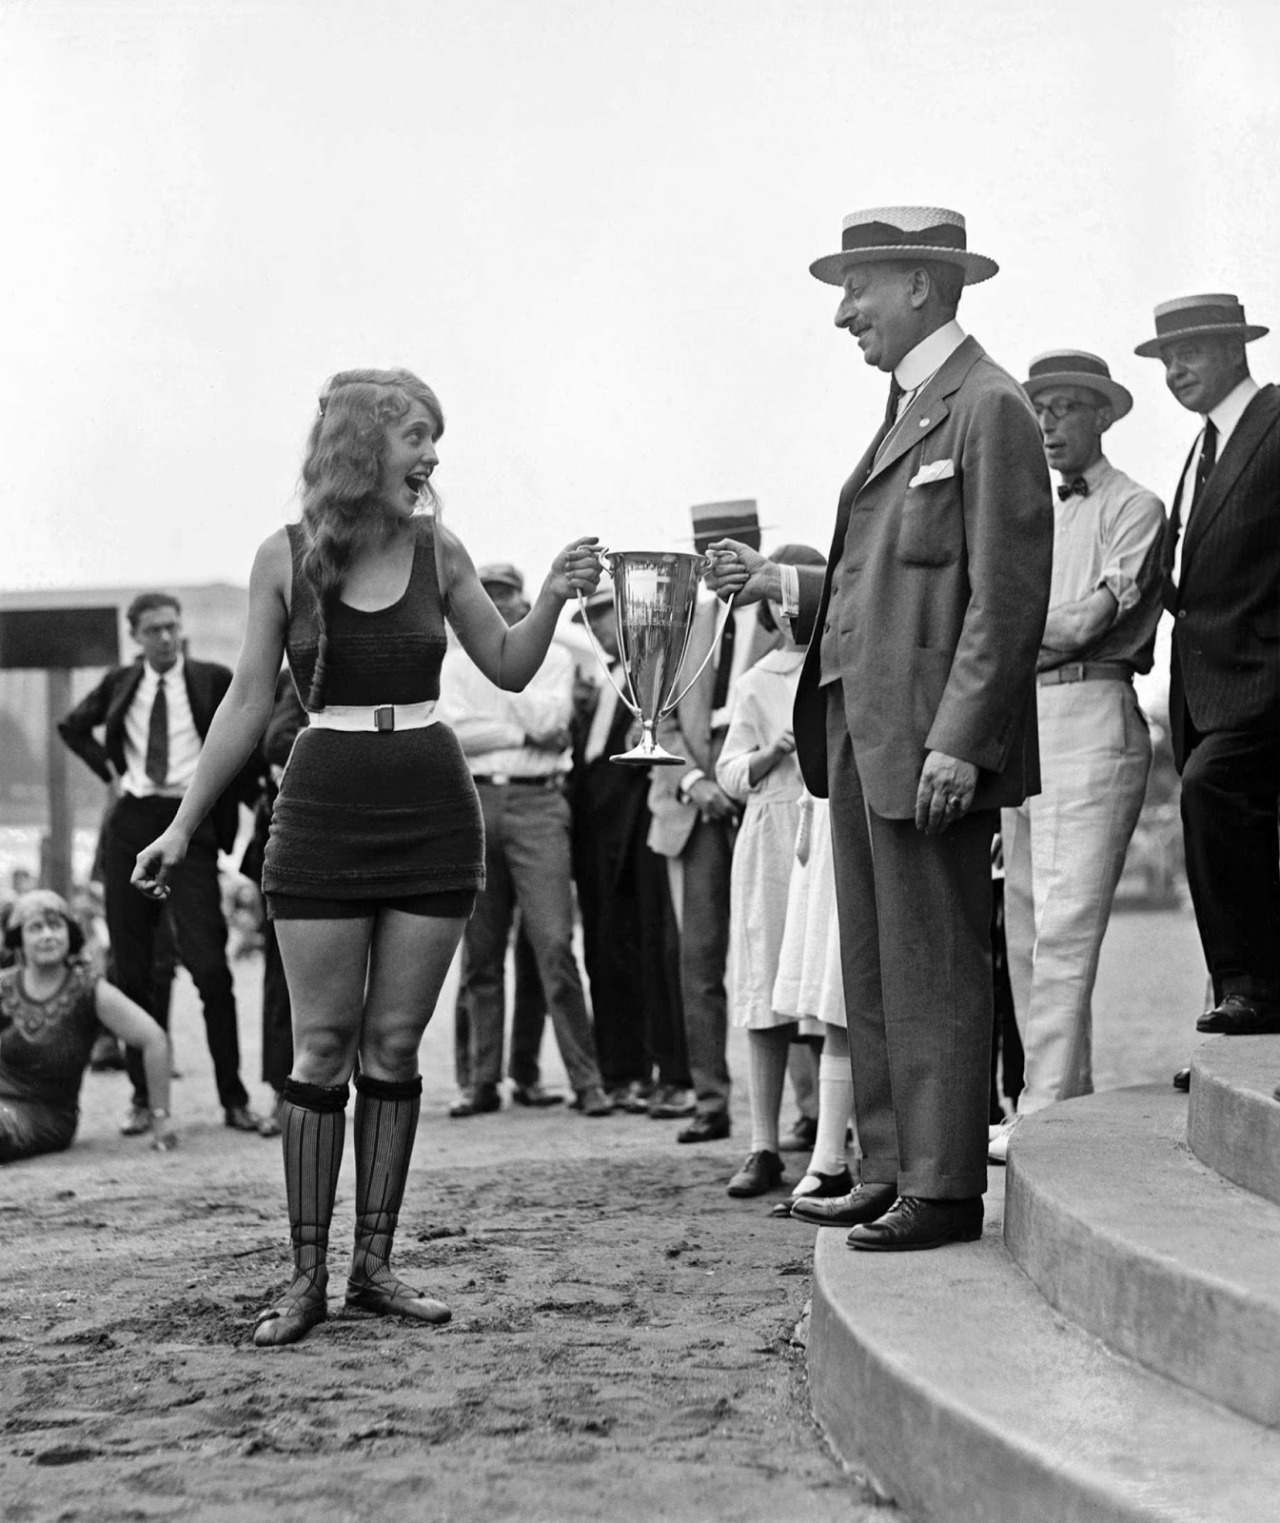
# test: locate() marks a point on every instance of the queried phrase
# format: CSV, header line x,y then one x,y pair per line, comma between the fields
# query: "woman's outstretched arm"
x,y
509,655
242,715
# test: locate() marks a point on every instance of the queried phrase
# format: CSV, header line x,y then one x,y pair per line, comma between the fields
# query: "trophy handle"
x,y
672,703
603,660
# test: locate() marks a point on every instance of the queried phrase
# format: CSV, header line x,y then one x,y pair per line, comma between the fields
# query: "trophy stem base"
x,y
647,755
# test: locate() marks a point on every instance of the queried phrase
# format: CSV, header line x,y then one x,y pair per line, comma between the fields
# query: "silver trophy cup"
x,y
655,593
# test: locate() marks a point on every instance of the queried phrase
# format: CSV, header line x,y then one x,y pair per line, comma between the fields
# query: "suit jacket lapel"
x,y
928,407
1258,417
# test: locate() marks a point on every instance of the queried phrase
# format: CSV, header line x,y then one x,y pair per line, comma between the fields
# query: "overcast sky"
x,y
588,226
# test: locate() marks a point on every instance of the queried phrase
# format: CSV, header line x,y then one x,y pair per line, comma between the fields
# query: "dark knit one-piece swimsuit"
x,y
374,818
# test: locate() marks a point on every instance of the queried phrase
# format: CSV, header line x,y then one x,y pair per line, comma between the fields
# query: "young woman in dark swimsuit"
x,y
376,848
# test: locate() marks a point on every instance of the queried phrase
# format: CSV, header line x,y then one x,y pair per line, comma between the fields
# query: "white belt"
x,y
384,717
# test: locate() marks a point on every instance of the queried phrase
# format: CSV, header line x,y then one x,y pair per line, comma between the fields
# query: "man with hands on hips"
x,y
916,712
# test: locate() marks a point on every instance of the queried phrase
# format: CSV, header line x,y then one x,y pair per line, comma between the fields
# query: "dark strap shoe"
x,y
1236,1015
710,1126
760,1173
864,1204
912,1223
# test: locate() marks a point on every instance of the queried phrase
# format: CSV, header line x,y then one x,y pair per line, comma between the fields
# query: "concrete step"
x,y
1233,1124
949,1379
1129,1235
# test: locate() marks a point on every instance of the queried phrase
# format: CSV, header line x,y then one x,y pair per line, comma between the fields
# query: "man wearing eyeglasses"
x,y
1064,848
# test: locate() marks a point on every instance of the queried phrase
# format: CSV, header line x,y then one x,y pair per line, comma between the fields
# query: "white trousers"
x,y
1063,854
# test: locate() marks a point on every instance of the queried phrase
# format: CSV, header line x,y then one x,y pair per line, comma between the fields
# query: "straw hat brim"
x,y
1121,400
831,268
1245,331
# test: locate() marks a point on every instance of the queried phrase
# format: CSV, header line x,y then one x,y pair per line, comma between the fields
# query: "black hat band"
x,y
875,235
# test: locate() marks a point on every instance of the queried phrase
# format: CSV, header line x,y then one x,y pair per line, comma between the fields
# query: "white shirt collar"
x,y
151,677
1230,410
918,364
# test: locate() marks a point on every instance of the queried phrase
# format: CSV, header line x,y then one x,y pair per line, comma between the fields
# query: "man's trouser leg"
x,y
536,835
132,917
195,901
704,947
660,970
484,949
915,929
1230,782
1095,754
528,1014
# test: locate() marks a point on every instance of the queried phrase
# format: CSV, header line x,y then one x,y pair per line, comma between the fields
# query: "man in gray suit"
x,y
916,713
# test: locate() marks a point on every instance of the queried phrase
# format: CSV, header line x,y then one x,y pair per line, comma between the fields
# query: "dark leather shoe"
x,y
830,1186
801,1137
476,1102
241,1119
534,1094
761,1172
915,1223
864,1204
670,1103
705,1128
592,1101
1235,1015
1182,1080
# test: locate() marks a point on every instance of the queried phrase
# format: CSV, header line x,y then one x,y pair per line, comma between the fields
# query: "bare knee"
x,y
323,1055
392,1053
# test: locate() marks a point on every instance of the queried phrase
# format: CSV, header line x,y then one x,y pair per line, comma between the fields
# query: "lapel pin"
x,y
924,422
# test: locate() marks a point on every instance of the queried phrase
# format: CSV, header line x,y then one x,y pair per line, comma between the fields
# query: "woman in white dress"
x,y
758,767
809,990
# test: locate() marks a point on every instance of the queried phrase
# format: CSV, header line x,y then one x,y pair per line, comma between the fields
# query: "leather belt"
x,y
1086,671
504,780
382,717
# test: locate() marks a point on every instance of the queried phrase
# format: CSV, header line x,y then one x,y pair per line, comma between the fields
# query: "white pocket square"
x,y
936,470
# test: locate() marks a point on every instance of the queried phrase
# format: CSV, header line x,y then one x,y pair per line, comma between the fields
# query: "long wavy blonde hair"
x,y
341,473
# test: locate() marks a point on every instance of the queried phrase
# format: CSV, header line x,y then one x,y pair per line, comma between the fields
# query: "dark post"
x,y
55,854
56,641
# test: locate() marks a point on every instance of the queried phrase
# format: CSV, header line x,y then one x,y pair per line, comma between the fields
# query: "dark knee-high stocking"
x,y
386,1123
313,1123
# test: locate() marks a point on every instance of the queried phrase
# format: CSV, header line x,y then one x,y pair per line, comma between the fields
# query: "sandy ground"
x,y
624,1343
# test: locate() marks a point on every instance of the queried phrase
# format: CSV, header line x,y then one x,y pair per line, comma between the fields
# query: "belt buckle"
x,y
1073,671
384,717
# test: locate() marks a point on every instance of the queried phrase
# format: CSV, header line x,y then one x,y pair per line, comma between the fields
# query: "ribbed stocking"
x,y
386,1122
313,1126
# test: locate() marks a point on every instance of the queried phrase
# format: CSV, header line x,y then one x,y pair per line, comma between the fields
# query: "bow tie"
x,y
1076,487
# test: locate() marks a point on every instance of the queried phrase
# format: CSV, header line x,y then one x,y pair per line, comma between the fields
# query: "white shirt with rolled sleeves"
x,y
494,726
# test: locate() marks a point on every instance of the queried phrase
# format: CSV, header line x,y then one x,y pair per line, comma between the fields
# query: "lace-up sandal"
x,y
302,1307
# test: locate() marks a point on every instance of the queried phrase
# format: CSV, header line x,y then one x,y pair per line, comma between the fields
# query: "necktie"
x,y
157,760
895,396
1076,487
1208,459
724,665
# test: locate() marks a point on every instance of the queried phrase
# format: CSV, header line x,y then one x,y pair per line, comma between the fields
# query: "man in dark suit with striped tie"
x,y
1222,568
154,715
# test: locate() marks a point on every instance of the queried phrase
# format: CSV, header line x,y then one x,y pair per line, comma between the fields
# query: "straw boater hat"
x,y
725,520
1218,316
926,233
1076,367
